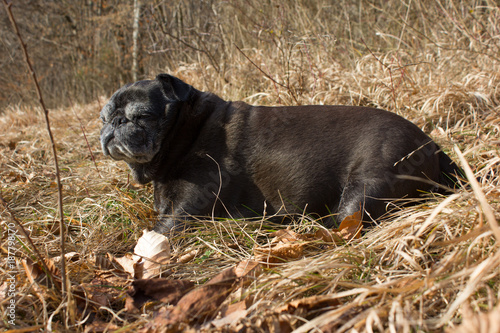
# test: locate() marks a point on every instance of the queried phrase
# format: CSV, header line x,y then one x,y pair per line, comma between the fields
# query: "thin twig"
x,y
65,284
21,229
260,69
193,47
82,128
386,67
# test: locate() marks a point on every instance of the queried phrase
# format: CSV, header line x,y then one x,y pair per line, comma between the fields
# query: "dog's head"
x,y
137,118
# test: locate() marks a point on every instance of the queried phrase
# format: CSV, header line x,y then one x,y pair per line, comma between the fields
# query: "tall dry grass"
x,y
426,268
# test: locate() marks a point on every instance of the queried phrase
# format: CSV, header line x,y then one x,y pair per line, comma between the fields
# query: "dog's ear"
x,y
174,88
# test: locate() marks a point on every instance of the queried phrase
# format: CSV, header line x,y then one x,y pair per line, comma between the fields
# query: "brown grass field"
x,y
434,267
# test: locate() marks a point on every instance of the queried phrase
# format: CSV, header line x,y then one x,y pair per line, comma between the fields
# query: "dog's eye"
x,y
143,117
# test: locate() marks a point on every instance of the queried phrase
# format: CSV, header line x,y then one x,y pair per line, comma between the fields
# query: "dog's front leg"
x,y
181,202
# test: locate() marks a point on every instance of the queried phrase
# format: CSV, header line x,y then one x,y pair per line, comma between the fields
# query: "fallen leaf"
x,y
158,289
151,254
152,244
204,301
232,313
139,269
286,236
3,291
248,267
308,304
100,327
154,250
161,324
230,319
327,236
238,306
36,273
106,289
200,302
185,258
125,263
102,261
285,246
113,277
279,253
70,256
350,228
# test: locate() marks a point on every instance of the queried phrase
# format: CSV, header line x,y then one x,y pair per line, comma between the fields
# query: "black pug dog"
x,y
209,157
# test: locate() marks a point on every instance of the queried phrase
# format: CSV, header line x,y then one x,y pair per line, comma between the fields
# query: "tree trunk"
x,y
135,39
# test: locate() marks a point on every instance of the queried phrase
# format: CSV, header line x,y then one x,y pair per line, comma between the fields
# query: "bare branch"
x,y
65,284
21,229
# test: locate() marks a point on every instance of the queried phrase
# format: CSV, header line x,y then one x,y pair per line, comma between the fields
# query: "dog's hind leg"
x,y
360,196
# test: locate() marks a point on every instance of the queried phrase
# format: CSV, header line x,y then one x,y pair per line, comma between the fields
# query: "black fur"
x,y
207,156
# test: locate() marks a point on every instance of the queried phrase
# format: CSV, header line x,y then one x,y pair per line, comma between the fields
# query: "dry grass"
x,y
420,269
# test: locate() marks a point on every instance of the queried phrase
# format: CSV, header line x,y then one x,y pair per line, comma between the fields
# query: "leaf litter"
x,y
187,303
134,278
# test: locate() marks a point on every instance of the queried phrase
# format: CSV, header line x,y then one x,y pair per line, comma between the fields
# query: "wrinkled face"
x,y
133,122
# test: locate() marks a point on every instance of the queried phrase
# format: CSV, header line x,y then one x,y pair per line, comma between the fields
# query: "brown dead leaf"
x,y
232,313
286,236
151,253
158,289
36,273
204,301
230,319
288,245
125,263
185,258
102,261
238,306
248,268
308,304
106,289
139,269
100,327
102,291
200,302
285,246
163,324
279,253
350,228
328,236
306,308
70,256
113,277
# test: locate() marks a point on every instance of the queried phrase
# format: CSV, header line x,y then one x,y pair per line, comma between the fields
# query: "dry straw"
x,y
424,268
